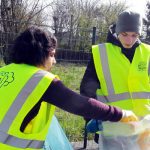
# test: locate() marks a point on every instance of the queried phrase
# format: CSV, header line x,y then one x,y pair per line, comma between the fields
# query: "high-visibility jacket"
x,y
122,83
21,87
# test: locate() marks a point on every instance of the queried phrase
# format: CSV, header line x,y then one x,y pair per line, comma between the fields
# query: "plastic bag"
x,y
126,136
56,138
126,129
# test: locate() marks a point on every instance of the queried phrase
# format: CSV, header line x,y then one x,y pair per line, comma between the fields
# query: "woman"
x,y
28,108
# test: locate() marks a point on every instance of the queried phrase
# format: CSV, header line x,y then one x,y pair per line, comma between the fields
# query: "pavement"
x,y
91,145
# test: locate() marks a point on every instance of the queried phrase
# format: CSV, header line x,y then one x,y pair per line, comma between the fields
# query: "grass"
x,y
71,75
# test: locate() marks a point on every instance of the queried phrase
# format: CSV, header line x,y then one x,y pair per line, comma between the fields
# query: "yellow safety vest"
x,y
21,87
122,83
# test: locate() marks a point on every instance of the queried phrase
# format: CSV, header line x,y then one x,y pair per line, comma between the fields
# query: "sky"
x,y
137,5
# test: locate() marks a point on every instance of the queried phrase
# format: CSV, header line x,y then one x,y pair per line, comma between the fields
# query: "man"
x,y
118,73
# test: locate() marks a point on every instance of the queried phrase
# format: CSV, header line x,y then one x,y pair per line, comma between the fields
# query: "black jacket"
x,y
90,82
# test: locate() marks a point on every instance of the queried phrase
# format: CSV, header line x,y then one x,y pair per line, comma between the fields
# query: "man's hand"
x,y
128,116
94,126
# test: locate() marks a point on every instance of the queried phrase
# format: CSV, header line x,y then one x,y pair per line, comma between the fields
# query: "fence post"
x,y
94,36
86,121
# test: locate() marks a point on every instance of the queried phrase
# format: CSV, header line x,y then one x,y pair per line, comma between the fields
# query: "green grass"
x,y
71,75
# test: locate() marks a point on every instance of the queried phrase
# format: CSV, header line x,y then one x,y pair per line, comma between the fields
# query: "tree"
x,y
147,24
15,16
74,20
106,15
17,13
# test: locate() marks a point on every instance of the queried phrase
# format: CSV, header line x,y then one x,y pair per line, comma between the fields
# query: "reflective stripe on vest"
x,y
123,96
149,69
112,97
19,143
13,111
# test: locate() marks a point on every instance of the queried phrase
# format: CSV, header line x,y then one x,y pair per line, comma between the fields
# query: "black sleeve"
x,y
90,82
68,100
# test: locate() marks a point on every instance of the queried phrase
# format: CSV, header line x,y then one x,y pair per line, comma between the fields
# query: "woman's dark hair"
x,y
32,46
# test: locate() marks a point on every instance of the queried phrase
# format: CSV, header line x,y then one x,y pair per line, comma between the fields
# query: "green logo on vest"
x,y
142,66
6,78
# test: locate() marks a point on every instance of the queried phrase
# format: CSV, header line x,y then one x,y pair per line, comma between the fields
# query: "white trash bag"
x,y
126,136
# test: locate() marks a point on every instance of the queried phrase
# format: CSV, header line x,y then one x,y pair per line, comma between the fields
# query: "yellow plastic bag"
x,y
144,140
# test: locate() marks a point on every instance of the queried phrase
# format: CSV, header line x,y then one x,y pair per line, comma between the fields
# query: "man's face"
x,y
128,39
50,60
